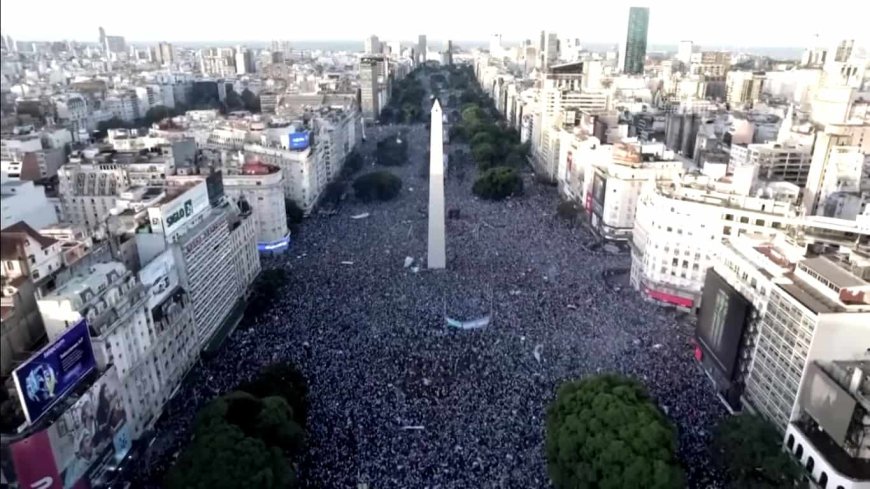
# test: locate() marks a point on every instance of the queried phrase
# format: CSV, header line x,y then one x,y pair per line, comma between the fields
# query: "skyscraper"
x,y
633,52
372,45
421,49
102,37
450,52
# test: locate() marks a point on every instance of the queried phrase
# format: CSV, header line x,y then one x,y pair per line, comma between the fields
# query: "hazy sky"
x,y
761,23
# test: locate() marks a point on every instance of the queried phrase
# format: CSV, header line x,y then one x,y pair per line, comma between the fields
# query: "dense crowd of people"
x,y
400,400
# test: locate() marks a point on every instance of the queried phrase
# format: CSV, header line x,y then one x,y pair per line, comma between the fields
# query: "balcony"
x,y
825,462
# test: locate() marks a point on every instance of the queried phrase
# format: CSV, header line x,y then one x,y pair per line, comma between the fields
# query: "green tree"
x,y
749,451
284,380
352,164
379,185
266,292
295,214
333,192
604,432
392,151
222,457
497,183
484,154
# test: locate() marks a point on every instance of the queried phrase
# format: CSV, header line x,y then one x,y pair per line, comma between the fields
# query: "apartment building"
x,y
819,312
678,227
774,162
617,185
260,187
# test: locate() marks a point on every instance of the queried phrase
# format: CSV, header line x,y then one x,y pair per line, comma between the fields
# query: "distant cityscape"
x,y
404,263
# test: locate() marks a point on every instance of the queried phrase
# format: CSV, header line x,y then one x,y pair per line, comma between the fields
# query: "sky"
x,y
735,23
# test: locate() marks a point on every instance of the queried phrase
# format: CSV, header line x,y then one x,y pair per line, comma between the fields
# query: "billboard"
x,y
599,189
827,403
299,140
721,322
94,429
54,371
275,246
170,217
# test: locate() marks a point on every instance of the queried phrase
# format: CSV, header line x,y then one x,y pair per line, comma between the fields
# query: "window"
x,y
729,217
799,452
744,220
759,222
823,480
790,442
811,463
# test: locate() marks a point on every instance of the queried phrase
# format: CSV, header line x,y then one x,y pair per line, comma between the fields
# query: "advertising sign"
x,y
275,246
55,370
721,322
599,193
86,432
170,217
298,140
62,455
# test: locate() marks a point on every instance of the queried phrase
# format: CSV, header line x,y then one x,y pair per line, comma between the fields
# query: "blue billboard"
x,y
54,371
299,140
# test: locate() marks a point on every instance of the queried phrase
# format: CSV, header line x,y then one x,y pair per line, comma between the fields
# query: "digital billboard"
x,y
827,403
599,190
90,431
299,140
54,371
721,322
275,246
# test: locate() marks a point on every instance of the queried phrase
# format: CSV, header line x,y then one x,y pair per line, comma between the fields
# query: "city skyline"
x,y
670,22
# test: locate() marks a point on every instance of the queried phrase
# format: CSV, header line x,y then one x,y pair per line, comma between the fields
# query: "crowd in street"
x,y
399,400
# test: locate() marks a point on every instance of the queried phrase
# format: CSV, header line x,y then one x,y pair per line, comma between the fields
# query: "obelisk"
x,y
437,256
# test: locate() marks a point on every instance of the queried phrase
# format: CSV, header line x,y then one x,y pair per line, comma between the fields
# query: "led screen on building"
x,y
299,140
721,322
88,433
54,371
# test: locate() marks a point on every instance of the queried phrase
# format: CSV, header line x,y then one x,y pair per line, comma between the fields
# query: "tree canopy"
x,y
604,432
497,183
243,439
379,185
748,449
392,151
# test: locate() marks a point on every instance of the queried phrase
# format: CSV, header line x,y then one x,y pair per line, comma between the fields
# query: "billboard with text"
x,y
90,432
54,371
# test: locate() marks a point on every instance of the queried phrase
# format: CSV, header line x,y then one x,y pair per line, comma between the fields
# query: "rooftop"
x,y
832,272
12,240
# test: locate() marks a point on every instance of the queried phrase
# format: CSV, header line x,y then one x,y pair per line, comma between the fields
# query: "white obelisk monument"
x,y
437,257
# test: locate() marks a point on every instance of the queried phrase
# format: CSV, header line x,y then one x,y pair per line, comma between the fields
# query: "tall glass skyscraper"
x,y
634,50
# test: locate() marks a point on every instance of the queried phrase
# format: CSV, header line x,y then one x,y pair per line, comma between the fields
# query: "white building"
x,y
678,228
260,186
774,161
216,249
115,304
304,177
23,201
817,313
617,186
88,191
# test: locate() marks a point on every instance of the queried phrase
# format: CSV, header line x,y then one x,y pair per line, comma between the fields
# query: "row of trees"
x,y
406,102
392,151
605,431
248,438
